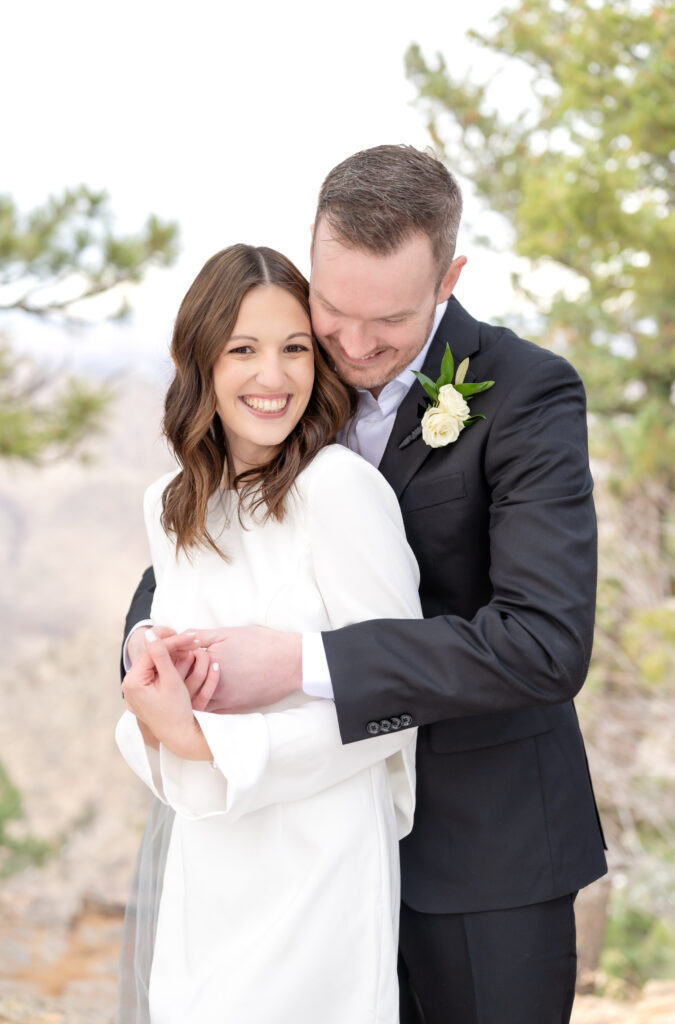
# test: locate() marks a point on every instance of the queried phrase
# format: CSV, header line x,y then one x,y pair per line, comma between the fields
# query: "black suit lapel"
x,y
406,451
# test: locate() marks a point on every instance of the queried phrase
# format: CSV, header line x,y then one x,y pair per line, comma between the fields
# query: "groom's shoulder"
x,y
511,355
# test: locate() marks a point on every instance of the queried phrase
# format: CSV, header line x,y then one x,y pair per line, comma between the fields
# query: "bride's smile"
x,y
266,405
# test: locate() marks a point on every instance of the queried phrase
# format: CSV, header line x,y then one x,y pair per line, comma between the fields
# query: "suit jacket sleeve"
x,y
141,602
531,644
139,609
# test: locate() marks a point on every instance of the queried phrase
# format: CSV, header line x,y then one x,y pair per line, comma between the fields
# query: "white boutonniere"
x,y
443,421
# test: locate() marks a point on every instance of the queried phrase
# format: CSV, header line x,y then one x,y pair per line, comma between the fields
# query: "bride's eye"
x,y
295,347
239,350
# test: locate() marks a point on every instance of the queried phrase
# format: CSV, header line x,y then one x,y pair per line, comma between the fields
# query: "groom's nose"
x,y
355,340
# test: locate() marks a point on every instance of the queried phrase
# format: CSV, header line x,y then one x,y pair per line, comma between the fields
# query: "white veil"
x,y
140,919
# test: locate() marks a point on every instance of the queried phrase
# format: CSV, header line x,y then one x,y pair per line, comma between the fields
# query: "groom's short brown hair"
x,y
377,198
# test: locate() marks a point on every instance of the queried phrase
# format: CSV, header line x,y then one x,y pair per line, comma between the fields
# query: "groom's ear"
x,y
311,244
450,279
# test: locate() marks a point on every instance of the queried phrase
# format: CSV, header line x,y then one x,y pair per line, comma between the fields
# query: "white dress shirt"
x,y
366,434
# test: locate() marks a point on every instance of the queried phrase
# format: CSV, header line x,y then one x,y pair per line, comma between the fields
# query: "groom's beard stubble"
x,y
360,378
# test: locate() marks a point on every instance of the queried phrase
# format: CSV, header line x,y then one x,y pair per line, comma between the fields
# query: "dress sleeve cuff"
x,y
195,789
224,786
142,760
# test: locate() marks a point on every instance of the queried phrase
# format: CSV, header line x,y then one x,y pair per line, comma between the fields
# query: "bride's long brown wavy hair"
x,y
205,321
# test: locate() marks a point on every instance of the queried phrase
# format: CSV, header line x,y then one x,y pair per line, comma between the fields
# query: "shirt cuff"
x,y
316,681
126,661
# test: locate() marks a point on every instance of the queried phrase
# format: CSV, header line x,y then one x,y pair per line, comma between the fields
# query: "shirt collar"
x,y
406,376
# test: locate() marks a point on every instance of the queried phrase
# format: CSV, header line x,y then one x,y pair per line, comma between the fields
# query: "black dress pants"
x,y
513,966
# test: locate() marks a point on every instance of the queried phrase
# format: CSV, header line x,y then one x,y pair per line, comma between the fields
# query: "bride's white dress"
x,y
280,895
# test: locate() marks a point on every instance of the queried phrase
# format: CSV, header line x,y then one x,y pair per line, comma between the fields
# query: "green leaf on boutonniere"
x,y
428,385
447,368
472,419
473,389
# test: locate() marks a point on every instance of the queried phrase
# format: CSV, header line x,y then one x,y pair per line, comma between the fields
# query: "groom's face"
x,y
372,313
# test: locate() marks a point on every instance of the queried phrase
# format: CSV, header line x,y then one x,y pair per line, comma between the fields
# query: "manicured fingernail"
x,y
190,632
215,666
151,636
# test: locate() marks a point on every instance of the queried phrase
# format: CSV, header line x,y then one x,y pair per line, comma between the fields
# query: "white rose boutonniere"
x,y
443,421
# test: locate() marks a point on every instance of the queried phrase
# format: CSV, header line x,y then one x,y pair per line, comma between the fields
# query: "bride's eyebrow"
x,y
252,337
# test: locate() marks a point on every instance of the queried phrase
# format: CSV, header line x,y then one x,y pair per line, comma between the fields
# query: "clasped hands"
x,y
223,671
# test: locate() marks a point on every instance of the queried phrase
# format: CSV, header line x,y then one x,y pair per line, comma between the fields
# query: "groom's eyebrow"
x,y
383,316
322,298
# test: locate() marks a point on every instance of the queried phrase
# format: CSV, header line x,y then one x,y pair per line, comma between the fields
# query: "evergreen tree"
x,y
585,178
53,260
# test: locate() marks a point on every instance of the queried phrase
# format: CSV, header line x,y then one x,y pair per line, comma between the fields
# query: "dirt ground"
x,y
69,977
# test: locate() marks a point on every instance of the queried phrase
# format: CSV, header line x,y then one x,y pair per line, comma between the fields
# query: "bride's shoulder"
x,y
334,458
336,468
153,493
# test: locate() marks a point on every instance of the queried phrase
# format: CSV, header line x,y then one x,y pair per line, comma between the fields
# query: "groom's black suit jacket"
x,y
503,527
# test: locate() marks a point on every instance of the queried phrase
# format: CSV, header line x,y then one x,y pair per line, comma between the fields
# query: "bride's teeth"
x,y
266,404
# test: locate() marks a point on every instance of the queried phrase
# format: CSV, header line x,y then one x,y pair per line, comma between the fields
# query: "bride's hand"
x,y
189,668
136,639
202,678
155,692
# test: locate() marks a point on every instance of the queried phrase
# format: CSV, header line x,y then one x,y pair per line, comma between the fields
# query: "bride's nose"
x,y
270,372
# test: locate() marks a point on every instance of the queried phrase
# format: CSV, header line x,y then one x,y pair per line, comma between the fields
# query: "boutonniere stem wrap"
x,y
443,421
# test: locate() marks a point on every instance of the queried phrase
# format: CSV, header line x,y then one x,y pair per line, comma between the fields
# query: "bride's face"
x,y
264,375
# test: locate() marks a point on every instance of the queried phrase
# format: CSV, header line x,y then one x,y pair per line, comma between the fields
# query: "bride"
x,y
279,892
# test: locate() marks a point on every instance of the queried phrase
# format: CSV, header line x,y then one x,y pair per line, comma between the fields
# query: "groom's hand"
x,y
258,666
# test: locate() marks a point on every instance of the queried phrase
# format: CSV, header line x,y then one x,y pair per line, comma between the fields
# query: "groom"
x,y
501,521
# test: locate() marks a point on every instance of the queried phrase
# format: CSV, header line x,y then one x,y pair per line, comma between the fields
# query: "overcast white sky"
x,y
223,116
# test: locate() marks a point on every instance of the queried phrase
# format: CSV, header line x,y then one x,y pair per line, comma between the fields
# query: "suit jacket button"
x,y
373,728
385,725
406,720
395,722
